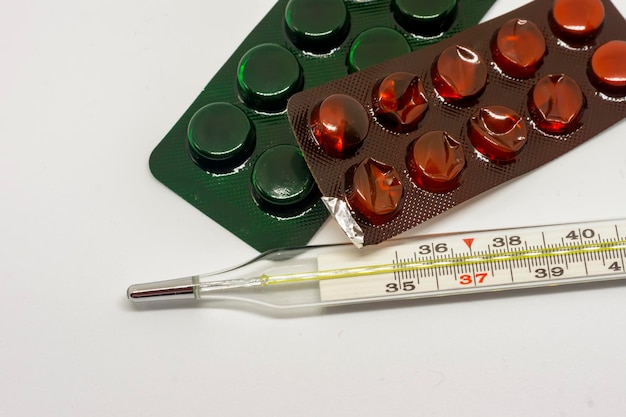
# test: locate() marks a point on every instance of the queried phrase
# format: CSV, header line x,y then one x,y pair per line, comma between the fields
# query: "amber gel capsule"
x,y
435,161
607,69
459,73
576,20
400,101
556,104
339,124
518,48
374,190
497,132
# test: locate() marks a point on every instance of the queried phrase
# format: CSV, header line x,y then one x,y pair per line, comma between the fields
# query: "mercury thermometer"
x,y
412,268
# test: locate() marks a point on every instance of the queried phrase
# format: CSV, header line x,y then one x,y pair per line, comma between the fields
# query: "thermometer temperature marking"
x,y
450,264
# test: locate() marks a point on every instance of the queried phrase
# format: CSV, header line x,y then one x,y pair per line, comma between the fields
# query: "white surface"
x,y
87,89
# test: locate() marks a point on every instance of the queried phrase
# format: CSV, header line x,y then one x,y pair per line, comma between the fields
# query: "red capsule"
x,y
459,73
556,104
374,190
518,48
339,124
435,161
497,132
400,101
607,69
576,20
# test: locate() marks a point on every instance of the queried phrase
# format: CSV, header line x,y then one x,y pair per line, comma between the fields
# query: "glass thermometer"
x,y
414,267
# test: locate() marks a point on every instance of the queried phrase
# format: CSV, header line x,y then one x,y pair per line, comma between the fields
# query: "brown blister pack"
x,y
401,142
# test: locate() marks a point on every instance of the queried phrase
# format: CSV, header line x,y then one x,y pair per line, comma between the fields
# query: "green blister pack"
x,y
232,154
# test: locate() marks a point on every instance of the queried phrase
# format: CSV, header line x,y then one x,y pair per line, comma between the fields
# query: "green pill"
x,y
317,26
220,137
281,179
267,76
375,46
424,17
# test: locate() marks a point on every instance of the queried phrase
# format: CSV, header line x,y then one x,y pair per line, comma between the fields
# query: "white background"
x,y
87,90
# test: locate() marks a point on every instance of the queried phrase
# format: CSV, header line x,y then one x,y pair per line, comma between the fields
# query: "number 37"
x,y
478,278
